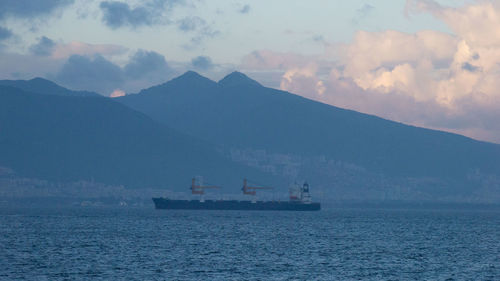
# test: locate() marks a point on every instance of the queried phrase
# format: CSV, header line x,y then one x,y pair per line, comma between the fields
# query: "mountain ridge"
x,y
43,86
236,74
261,131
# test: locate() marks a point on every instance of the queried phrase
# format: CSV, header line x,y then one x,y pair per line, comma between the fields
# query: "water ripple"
x,y
136,244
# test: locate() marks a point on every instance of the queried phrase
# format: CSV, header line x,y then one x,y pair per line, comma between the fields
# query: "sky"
x,y
434,64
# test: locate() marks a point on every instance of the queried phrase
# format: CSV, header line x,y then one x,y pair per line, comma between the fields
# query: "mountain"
x,y
331,145
45,87
237,79
68,138
232,129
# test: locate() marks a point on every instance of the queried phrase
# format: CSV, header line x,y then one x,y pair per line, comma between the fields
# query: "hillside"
x,y
333,146
66,138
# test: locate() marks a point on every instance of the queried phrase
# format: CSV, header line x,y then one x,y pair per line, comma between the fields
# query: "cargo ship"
x,y
299,200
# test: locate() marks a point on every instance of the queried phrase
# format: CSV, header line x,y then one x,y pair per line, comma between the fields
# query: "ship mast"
x,y
199,189
251,190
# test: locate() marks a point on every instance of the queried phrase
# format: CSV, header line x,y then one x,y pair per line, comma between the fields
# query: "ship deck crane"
x,y
251,190
200,189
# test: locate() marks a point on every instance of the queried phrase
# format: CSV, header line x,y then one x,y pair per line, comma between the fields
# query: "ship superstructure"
x,y
300,193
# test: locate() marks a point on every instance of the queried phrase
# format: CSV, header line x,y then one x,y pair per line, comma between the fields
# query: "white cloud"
x,y
303,80
476,23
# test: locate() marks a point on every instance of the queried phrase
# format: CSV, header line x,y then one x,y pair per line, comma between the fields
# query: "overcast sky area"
x,y
428,63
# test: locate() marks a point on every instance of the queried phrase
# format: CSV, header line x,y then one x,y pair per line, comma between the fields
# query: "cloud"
x,y
245,9
143,63
44,47
117,14
30,8
27,66
199,28
5,33
202,63
397,61
98,74
83,66
270,60
470,67
117,93
94,74
319,38
362,13
476,23
145,69
190,23
365,10
85,49
202,34
303,80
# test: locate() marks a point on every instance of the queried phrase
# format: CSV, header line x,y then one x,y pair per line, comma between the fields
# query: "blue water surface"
x,y
337,244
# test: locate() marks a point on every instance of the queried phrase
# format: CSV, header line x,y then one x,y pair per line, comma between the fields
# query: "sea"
x,y
111,243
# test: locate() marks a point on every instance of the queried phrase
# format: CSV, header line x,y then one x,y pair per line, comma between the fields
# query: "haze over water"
x,y
337,244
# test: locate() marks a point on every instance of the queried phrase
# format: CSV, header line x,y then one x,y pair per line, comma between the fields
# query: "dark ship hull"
x,y
165,203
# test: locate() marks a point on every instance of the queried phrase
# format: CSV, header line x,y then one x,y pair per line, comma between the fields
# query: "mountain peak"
x,y
237,78
191,78
188,81
191,74
41,80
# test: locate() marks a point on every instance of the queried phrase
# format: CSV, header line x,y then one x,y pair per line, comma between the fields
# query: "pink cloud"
x,y
85,49
117,93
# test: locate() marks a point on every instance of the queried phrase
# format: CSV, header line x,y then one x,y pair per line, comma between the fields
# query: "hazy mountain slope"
x,y
93,138
45,87
238,112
